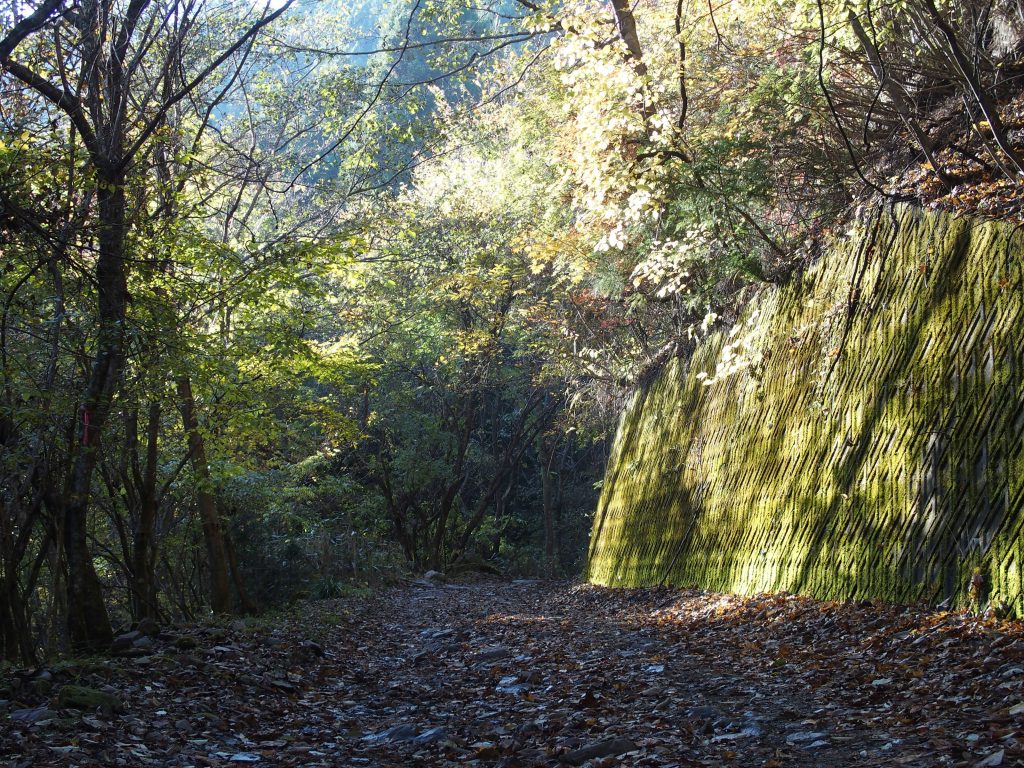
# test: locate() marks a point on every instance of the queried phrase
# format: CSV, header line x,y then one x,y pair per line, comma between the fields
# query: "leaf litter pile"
x,y
538,673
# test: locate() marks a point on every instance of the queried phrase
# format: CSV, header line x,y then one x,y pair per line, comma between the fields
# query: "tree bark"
x,y
15,629
213,531
972,81
247,604
626,24
144,592
548,450
901,102
88,623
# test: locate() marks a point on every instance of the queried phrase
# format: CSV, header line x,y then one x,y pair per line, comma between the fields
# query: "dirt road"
x,y
534,674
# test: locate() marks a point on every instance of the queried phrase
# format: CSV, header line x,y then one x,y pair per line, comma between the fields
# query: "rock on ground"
x,y
541,674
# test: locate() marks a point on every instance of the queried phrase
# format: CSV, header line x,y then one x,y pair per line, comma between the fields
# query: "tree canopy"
x,y
302,294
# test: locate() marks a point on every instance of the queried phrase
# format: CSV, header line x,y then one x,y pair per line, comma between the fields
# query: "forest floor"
x,y
541,673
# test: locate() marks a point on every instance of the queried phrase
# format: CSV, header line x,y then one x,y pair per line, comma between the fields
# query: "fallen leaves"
x,y
980,187
531,674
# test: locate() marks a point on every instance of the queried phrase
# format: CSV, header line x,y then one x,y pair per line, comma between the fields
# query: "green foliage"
x,y
391,272
307,528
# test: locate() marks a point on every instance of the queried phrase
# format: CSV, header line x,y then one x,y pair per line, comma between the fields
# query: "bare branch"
x,y
196,81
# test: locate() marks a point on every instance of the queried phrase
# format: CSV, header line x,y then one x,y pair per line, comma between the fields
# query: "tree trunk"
x,y
901,102
213,531
144,597
15,630
626,24
88,623
972,81
548,450
247,604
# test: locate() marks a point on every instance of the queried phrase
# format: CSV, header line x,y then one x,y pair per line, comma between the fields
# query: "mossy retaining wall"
x,y
867,442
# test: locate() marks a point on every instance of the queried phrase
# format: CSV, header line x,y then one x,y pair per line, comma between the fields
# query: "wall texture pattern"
x,y
858,434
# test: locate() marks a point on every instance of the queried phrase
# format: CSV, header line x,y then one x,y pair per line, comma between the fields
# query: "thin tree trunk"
x,y
973,82
144,593
901,102
244,600
15,631
213,531
626,24
548,449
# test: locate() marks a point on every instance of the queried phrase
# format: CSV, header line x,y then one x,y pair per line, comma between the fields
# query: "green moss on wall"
x,y
869,444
